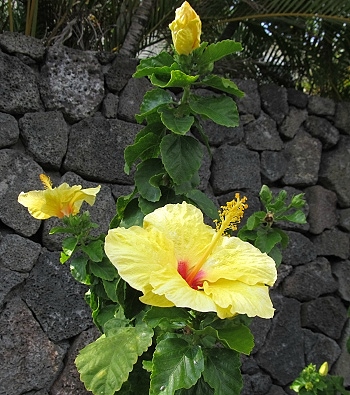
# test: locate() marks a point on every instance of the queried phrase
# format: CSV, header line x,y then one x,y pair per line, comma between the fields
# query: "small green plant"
x,y
318,382
259,228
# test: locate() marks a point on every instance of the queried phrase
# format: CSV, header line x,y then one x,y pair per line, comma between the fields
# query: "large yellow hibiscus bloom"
x,y
177,260
56,202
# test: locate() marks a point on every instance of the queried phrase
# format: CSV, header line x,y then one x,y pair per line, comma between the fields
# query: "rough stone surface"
x,y
9,131
310,280
17,172
28,359
333,242
262,134
293,122
44,320
335,171
323,130
273,165
341,271
18,87
321,106
322,208
56,299
326,315
300,250
71,81
284,341
303,168
235,168
17,43
342,117
45,135
96,149
274,101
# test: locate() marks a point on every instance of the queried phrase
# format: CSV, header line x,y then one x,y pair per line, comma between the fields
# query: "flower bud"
x,y
186,29
323,369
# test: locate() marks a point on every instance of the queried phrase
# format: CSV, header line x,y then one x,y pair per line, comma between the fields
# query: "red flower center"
x,y
196,282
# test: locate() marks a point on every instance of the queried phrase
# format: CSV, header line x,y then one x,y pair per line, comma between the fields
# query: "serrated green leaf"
x,y
161,63
178,125
200,388
94,250
216,51
103,269
204,203
188,186
222,371
111,290
168,196
297,217
221,109
284,237
144,178
247,235
78,269
176,364
146,147
153,100
223,84
177,79
105,364
298,201
181,156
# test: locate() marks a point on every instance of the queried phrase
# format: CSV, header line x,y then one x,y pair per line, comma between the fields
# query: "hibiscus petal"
x,y
183,224
169,283
234,259
240,298
34,201
139,254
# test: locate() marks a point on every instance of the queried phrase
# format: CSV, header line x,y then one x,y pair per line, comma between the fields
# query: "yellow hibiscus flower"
x,y
56,202
177,260
186,29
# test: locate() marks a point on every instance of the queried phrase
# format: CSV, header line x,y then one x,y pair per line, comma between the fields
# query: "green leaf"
x,y
298,201
103,269
176,364
177,79
216,51
181,156
132,215
238,338
152,101
161,63
94,250
267,239
111,290
105,364
68,246
188,186
200,388
145,181
168,196
78,269
222,371
222,109
178,125
276,255
265,195
297,217
223,84
255,220
247,235
203,202
155,315
145,148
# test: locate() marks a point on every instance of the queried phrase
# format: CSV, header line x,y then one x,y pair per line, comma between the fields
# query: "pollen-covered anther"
x,y
231,214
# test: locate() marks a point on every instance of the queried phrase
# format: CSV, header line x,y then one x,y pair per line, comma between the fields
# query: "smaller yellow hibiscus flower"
x,y
56,202
186,29
175,259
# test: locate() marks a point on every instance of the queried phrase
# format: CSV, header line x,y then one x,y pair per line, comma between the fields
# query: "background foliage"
x,y
295,43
